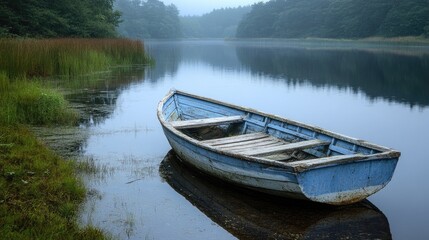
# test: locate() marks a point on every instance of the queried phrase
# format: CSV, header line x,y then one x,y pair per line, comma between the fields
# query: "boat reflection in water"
x,y
252,215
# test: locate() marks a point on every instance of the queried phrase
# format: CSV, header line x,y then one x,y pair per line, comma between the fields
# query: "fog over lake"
x,y
196,7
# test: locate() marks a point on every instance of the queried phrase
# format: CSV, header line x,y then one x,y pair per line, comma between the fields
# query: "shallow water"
x,y
380,94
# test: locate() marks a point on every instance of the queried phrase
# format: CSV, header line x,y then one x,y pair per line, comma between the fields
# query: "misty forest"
x,y
152,19
91,147
336,19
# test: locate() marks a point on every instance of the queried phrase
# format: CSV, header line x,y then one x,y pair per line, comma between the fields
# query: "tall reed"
x,y
47,57
23,62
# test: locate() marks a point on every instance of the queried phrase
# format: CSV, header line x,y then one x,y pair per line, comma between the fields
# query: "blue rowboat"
x,y
249,215
272,154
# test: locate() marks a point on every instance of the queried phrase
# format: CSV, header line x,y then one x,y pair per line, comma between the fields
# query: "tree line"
x,y
219,23
154,19
148,19
273,19
336,19
88,19
111,18
59,18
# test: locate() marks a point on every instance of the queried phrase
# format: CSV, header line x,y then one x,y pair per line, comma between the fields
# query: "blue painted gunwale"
x,y
327,179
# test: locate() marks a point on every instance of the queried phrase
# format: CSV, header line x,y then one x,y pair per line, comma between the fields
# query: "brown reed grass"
x,y
40,58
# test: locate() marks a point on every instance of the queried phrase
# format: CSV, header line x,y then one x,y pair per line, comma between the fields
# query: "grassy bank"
x,y
30,102
40,192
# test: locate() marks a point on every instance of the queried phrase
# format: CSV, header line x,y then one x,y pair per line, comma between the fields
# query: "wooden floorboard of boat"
x,y
282,148
249,142
235,139
253,145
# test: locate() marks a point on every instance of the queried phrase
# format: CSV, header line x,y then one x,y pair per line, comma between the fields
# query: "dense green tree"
x,y
148,19
60,18
406,18
336,18
219,23
260,21
291,21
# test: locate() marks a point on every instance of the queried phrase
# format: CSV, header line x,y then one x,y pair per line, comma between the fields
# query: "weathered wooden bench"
x,y
283,148
205,122
338,159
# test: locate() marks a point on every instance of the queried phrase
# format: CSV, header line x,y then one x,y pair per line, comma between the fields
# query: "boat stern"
x,y
346,183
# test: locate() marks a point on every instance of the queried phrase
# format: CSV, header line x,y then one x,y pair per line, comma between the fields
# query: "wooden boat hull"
x,y
334,181
249,215
248,174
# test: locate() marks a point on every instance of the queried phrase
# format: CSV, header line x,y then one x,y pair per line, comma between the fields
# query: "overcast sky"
x,y
199,7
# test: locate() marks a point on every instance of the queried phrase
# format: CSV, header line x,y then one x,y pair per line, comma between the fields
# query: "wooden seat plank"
x,y
338,159
196,123
279,157
283,148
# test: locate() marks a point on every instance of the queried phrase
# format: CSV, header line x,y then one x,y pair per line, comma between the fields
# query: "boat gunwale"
x,y
296,166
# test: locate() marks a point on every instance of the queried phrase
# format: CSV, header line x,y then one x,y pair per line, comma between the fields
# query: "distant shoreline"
x,y
374,41
368,42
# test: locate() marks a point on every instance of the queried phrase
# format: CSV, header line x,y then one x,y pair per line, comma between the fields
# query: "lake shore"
x,y
40,191
364,42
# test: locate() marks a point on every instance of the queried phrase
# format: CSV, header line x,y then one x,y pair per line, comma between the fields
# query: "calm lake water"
x,y
376,93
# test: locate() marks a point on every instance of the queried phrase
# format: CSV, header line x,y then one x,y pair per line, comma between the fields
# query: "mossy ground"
x,y
39,192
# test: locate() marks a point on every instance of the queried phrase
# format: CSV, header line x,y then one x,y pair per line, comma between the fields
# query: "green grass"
x,y
39,192
29,102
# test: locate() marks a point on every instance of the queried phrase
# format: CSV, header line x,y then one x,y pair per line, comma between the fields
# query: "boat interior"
x,y
247,132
